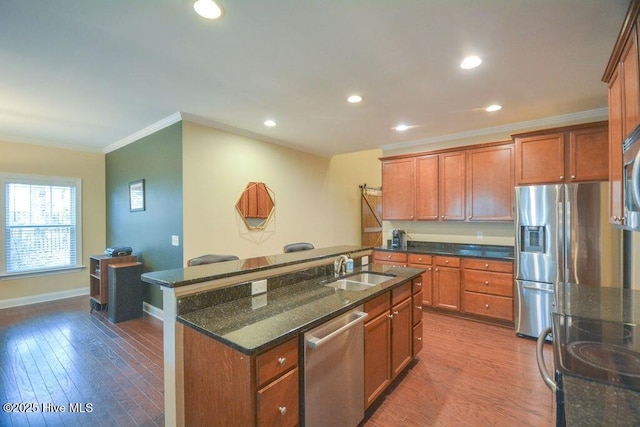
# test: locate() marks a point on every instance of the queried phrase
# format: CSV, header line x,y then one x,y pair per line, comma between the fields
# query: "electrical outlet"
x,y
175,240
480,235
258,287
364,260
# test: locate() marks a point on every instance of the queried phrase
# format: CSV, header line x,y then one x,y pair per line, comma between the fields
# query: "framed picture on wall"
x,y
136,196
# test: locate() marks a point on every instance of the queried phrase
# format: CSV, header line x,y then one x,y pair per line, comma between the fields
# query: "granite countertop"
x,y
454,249
254,324
202,273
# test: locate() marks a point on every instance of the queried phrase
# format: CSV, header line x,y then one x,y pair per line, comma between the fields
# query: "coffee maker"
x,y
398,239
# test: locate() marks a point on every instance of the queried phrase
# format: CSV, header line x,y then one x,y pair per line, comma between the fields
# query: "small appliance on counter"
x,y
399,239
118,251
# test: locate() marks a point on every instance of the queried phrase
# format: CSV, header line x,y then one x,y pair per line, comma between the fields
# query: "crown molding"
x,y
159,125
547,122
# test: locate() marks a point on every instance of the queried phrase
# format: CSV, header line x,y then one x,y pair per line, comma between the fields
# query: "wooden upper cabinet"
x,y
622,76
616,203
490,176
427,187
567,154
398,189
589,154
539,158
452,185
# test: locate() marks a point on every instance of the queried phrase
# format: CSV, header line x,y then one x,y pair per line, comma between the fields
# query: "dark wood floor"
x,y
57,353
468,374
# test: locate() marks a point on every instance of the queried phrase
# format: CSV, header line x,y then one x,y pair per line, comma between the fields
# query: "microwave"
x,y
631,180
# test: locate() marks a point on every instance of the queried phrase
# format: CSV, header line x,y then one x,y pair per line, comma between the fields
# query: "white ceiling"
x,y
89,74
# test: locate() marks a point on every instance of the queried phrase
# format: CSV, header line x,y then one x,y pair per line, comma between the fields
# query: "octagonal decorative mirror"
x,y
256,205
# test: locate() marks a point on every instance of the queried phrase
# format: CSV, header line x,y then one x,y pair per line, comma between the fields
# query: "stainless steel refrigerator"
x,y
563,235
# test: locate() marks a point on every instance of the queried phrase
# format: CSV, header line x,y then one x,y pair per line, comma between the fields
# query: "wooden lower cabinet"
x,y
388,339
446,283
488,288
226,387
425,262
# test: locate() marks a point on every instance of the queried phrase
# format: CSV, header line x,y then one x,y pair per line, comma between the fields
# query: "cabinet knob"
x,y
442,217
486,306
486,266
419,307
418,338
391,316
561,176
446,261
388,256
418,283
395,313
486,282
469,217
281,360
436,269
429,269
573,177
282,409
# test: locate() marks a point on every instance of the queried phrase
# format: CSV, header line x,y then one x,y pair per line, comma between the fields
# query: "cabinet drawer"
x,y
419,259
447,261
274,362
417,338
390,257
400,293
488,282
377,306
277,403
417,308
416,285
488,265
488,305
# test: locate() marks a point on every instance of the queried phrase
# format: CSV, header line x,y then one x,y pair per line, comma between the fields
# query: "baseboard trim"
x,y
17,302
152,310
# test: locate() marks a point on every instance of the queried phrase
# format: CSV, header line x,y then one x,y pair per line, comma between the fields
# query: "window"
x,y
41,224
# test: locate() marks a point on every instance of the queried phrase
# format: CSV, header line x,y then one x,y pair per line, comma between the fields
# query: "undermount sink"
x,y
359,282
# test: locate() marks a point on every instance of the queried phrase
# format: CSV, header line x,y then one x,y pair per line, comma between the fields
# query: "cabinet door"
x,y
398,189
417,339
615,149
446,288
427,187
490,183
631,86
589,154
452,185
377,353
539,159
401,336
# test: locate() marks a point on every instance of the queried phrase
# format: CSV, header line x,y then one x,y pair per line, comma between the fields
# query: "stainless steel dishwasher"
x,y
334,371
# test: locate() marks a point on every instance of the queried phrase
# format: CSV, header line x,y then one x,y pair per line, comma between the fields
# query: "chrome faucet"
x,y
339,265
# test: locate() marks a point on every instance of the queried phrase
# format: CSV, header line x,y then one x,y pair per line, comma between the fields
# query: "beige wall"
x,y
38,160
316,198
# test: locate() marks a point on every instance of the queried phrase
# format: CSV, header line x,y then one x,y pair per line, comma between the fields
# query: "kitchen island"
x,y
213,308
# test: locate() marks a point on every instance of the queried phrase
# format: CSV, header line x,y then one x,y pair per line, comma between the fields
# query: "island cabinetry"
x,y
490,181
488,288
225,385
398,201
425,262
396,259
446,283
568,154
623,79
417,299
99,275
388,337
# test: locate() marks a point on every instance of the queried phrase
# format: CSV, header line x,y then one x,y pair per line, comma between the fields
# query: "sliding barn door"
x,y
371,216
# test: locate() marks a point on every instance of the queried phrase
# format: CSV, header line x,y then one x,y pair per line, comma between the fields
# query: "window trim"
x,y
43,180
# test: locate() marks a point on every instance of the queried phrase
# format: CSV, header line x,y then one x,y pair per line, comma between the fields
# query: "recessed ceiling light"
x,y
470,62
401,128
354,99
207,9
269,123
494,107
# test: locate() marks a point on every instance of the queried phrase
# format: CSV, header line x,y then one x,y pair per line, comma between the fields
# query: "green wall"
x,y
157,159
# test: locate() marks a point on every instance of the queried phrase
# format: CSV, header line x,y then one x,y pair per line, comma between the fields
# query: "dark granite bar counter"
x,y
202,273
253,324
454,249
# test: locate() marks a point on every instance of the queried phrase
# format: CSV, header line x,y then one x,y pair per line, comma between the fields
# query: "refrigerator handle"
x,y
562,242
540,360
